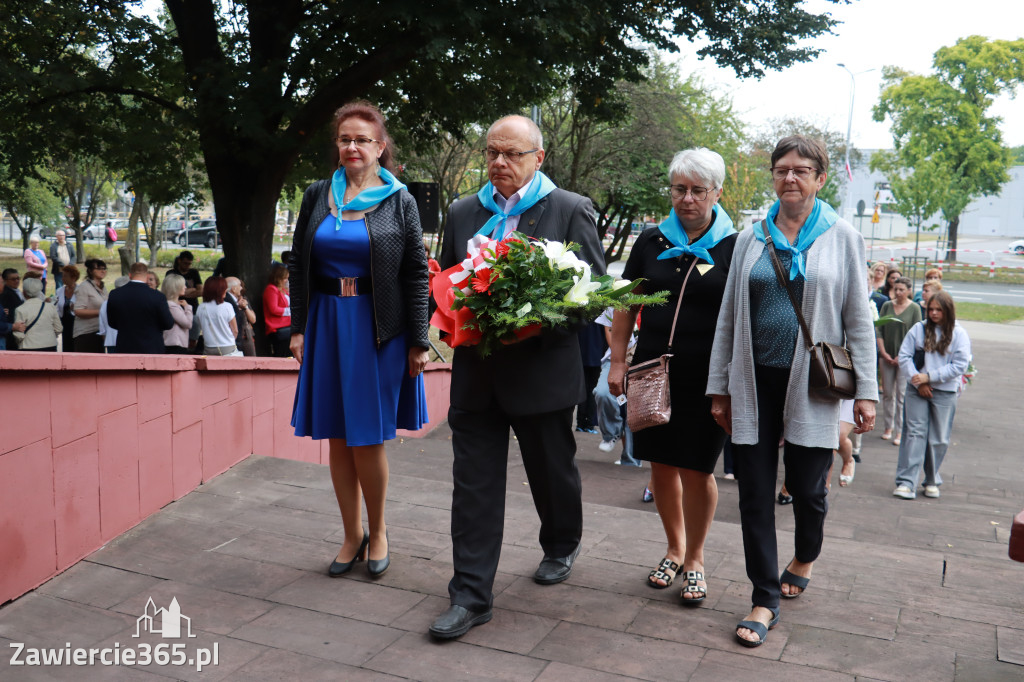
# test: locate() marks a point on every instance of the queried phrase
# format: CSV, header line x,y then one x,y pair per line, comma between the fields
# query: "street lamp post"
x,y
848,203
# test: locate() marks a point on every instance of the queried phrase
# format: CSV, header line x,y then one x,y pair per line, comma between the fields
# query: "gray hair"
x,y
536,137
700,163
121,281
60,232
173,285
33,287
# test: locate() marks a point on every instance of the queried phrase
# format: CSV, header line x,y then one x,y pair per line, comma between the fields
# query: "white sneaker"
x,y
905,492
931,491
606,446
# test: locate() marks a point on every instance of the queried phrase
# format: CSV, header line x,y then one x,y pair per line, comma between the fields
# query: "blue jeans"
x,y
611,417
927,425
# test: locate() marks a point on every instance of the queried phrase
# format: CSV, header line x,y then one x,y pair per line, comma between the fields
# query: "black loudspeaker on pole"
x,y
427,199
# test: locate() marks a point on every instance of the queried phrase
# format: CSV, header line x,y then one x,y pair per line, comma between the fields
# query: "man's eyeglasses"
x,y
680,192
510,157
359,141
800,172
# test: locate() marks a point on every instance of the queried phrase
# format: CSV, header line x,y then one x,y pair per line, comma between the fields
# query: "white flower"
x,y
582,287
560,257
619,283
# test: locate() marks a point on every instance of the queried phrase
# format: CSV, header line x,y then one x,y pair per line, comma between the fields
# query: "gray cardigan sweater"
x,y
836,310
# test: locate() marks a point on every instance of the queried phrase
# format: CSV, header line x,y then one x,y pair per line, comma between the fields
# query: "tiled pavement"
x,y
904,590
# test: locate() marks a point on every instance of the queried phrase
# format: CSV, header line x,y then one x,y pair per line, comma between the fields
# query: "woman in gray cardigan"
x,y
759,370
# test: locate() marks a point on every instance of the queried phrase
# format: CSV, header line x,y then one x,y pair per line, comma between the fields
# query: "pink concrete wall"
x,y
92,444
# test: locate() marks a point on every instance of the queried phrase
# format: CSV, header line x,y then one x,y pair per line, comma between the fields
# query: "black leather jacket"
x,y
398,264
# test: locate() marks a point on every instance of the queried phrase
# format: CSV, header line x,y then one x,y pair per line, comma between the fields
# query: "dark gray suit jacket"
x,y
543,373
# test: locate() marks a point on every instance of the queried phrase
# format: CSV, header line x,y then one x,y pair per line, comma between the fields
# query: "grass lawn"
x,y
988,312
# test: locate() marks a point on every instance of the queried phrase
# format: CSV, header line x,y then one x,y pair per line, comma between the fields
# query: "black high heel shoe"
x,y
339,569
378,567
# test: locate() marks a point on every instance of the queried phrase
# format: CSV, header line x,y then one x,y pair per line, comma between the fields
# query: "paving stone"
x,y
97,585
630,580
704,627
284,471
301,553
419,657
620,653
39,620
344,640
296,522
723,666
867,656
970,669
954,633
276,665
570,603
1011,645
560,672
232,574
313,500
373,603
214,611
203,506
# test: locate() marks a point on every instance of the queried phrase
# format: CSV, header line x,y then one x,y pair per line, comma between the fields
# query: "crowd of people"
x,y
739,372
744,307
182,314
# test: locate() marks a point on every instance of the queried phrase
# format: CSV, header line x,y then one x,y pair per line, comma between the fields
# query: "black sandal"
x,y
784,499
693,588
662,573
795,581
758,628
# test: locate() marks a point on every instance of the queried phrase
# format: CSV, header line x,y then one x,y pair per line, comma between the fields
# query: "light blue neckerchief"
x,y
368,197
821,218
540,187
721,227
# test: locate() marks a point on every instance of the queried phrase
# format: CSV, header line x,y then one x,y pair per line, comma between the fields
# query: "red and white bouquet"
x,y
505,291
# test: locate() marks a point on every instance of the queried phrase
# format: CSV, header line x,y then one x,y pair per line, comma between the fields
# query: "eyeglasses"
x,y
800,172
359,141
680,192
510,157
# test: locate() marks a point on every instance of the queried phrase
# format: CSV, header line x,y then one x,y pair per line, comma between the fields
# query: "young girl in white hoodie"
x,y
934,385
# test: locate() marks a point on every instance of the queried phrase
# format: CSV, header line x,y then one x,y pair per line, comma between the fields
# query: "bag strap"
x,y
780,274
679,304
35,320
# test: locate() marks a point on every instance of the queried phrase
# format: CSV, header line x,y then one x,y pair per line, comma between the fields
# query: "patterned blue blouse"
x,y
773,324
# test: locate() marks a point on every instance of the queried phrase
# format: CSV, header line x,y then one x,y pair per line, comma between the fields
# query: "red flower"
x,y
501,250
482,280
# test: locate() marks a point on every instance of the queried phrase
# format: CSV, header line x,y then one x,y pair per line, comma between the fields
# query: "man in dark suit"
x,y
139,314
531,387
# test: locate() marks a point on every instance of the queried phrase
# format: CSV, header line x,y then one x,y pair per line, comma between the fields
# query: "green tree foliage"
x,y
30,203
835,145
618,153
942,127
262,78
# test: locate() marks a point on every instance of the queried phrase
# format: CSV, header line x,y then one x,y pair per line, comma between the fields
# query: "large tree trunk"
x,y
127,252
952,230
245,201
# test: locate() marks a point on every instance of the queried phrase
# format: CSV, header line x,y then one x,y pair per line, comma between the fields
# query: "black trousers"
x,y
756,471
279,342
586,412
480,444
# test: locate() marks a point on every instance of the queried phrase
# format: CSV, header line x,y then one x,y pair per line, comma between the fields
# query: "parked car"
x,y
48,232
200,233
98,228
1017,247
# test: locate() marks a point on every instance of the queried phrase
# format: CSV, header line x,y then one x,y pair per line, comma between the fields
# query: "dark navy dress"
x,y
348,388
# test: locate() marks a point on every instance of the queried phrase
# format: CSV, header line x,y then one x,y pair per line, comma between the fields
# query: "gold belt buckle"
x,y
348,286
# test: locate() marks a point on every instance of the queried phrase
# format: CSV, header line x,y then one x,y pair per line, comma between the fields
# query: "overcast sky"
x,y
874,33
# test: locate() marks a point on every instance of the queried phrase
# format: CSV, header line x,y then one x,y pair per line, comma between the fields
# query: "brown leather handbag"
x,y
648,400
831,372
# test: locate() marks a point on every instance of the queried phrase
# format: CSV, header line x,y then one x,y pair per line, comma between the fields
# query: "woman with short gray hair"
x,y
42,323
688,255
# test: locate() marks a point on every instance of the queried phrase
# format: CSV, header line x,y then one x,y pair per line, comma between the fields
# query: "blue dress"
x,y
348,388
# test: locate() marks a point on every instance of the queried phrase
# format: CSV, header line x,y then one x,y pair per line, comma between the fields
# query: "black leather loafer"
x,y
553,570
457,621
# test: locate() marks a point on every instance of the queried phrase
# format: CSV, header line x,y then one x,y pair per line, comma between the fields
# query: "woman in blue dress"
x,y
359,325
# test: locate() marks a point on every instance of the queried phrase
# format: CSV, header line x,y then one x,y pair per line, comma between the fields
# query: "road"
x,y
976,292
972,249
